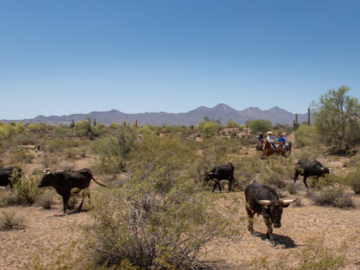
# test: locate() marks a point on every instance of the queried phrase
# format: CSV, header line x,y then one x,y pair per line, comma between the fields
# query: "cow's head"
x,y
46,181
207,176
276,209
323,171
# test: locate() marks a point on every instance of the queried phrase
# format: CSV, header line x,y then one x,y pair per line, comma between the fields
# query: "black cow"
x,y
63,182
263,200
308,168
220,172
5,174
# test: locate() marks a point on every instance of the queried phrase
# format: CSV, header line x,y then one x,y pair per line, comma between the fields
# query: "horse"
x,y
259,146
269,150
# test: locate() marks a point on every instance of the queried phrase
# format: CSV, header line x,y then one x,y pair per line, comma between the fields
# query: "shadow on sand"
x,y
280,240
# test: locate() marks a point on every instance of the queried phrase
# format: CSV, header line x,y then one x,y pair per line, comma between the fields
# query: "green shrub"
x,y
49,160
277,171
46,200
9,198
37,128
19,154
114,125
317,256
9,220
260,125
231,124
28,190
333,196
60,132
71,153
160,219
210,129
352,179
117,146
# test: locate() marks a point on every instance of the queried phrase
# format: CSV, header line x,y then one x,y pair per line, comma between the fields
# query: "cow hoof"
x,y
253,234
273,243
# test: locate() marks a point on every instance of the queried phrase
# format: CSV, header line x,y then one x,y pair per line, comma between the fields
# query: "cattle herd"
x,y
260,199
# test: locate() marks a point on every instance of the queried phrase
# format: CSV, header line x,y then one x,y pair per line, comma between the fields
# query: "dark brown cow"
x,y
220,172
64,182
5,175
263,200
308,168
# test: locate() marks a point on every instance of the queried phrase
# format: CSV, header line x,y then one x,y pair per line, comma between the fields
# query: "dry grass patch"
x,y
9,220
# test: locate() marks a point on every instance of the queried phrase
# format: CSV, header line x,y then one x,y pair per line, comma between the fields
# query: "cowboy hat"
x,y
269,132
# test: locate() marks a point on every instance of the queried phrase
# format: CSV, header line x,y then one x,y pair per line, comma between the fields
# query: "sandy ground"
x,y
45,229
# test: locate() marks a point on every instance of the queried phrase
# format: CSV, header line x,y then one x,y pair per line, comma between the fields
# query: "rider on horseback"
x,y
260,136
270,138
281,141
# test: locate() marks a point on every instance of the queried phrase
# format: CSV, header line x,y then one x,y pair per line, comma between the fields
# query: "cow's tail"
x,y
289,146
97,182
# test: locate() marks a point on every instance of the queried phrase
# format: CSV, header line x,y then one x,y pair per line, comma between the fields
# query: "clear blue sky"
x,y
64,57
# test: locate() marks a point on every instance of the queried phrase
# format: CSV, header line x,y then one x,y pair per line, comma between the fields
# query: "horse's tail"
x,y
289,146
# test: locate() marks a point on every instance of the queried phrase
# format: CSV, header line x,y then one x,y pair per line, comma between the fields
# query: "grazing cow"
x,y
220,172
308,168
5,174
63,182
263,200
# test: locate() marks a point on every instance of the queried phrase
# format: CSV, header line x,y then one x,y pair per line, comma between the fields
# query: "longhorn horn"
x,y
286,202
202,173
211,173
263,202
330,168
322,168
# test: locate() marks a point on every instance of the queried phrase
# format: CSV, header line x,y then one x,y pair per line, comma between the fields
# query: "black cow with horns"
x,y
5,175
308,168
263,200
63,182
220,172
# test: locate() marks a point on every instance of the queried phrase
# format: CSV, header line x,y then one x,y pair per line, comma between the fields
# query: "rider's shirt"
x,y
271,139
281,139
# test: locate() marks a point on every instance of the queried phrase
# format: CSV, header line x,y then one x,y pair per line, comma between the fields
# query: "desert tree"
x,y
336,118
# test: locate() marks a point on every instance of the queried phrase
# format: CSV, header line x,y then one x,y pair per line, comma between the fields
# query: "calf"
x,y
263,200
220,172
5,175
63,182
308,168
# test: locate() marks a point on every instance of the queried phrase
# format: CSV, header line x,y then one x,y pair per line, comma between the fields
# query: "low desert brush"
x,y
333,196
9,220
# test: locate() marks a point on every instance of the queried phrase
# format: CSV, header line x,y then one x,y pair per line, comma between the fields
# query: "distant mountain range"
x,y
220,111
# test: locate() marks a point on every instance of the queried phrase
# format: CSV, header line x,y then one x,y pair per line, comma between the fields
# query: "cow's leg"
x,y
230,184
251,220
305,182
65,202
296,176
11,185
269,232
82,201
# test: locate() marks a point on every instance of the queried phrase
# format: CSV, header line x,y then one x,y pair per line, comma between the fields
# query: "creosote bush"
x,y
160,219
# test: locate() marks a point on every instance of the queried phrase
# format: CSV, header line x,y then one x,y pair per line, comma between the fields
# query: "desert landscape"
x,y
312,236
